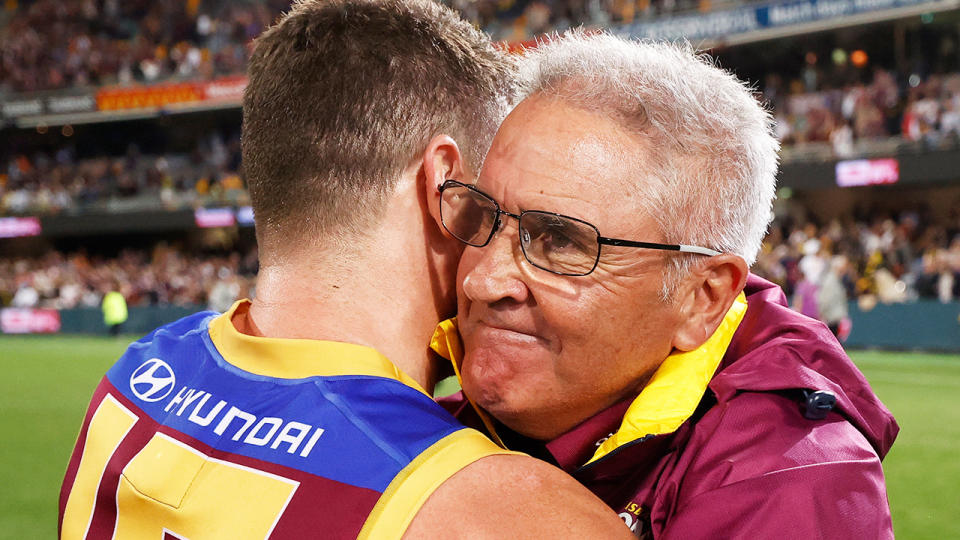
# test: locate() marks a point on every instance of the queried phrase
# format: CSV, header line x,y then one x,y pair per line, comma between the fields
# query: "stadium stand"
x,y
882,257
51,44
48,184
890,257
163,275
857,120
850,121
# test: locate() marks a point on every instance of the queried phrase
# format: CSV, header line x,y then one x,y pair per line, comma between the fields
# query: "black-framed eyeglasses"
x,y
553,242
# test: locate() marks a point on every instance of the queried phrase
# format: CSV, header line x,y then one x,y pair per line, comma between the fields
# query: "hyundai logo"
x,y
153,380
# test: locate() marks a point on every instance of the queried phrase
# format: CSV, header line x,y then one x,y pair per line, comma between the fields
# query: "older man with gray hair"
x,y
610,324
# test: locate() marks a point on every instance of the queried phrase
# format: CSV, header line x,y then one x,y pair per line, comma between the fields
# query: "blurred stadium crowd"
x,y
52,44
843,105
872,257
49,184
165,275
891,104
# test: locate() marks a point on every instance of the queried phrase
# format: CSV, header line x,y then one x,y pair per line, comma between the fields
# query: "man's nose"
x,y
493,272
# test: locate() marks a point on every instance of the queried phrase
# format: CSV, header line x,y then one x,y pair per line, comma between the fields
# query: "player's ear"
x,y
441,161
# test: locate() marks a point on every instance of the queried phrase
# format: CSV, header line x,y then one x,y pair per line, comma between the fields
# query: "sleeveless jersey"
x,y
201,432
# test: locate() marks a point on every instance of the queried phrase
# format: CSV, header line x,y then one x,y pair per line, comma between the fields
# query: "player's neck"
x,y
385,300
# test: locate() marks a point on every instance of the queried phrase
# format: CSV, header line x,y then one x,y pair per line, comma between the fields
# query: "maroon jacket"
x,y
749,463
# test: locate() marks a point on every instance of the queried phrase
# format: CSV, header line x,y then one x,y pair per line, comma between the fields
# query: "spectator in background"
x,y
114,311
225,291
950,119
943,268
889,289
832,298
26,295
807,291
842,140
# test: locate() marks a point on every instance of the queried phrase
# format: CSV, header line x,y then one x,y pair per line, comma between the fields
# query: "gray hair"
x,y
711,180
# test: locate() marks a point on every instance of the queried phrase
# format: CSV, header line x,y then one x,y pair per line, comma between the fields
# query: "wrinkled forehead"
x,y
552,155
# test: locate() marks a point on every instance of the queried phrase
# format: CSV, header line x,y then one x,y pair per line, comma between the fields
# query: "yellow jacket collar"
x,y
446,342
675,389
669,398
298,358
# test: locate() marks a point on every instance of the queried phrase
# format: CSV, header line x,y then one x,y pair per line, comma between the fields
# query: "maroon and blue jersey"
x,y
200,431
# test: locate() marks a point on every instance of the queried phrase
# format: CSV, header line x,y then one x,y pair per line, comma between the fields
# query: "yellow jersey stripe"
x,y
299,358
403,498
109,425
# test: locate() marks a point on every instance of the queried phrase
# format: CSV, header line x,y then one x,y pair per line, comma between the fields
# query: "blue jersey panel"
x,y
359,430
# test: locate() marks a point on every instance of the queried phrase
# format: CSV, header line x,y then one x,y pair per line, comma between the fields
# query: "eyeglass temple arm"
x,y
683,248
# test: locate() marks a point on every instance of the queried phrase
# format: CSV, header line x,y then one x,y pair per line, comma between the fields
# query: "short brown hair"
x,y
343,94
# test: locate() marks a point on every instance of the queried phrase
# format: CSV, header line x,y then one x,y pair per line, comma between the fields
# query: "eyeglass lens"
x,y
558,243
549,241
468,215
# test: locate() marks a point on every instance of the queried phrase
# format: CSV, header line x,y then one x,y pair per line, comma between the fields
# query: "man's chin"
x,y
496,401
496,380
482,392
521,421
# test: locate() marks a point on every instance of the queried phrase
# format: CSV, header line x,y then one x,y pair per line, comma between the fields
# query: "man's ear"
x,y
441,161
705,296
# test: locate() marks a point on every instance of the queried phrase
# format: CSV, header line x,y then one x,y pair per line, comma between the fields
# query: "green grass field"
x,y
48,381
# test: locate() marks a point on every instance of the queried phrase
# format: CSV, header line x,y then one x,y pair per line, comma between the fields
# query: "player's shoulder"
x,y
514,495
186,332
184,328
151,363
